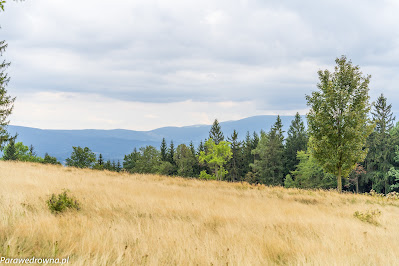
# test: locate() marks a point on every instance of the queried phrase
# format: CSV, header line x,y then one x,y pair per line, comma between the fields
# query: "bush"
x,y
206,176
62,202
368,216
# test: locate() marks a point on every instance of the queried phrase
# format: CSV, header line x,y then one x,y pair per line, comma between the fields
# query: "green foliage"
x,y
269,164
62,202
393,172
338,120
204,175
148,160
216,133
297,140
164,150
216,156
50,160
165,168
235,165
288,182
309,173
381,147
370,217
10,152
129,162
81,158
185,160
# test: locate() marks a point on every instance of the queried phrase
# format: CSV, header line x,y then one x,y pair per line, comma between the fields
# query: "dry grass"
x,y
149,219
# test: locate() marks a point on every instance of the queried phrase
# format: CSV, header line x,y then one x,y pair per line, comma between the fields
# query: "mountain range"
x,y
114,144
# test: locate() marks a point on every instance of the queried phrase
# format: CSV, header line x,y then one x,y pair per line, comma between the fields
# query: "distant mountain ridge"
x,y
116,143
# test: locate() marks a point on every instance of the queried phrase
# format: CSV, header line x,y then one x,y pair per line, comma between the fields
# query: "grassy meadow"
x,y
155,220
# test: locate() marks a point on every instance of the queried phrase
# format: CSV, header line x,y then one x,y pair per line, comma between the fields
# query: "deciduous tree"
x,y
338,120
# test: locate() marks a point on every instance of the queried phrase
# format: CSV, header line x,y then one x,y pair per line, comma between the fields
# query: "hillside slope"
x,y
149,219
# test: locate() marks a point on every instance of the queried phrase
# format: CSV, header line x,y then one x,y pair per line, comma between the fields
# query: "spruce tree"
x,y
10,153
216,133
171,158
297,140
118,166
100,159
381,146
235,165
164,150
248,157
32,151
269,164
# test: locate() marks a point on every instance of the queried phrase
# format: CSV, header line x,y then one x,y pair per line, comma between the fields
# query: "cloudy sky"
x,y
145,64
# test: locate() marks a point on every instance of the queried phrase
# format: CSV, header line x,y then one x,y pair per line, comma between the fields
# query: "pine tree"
x,y
297,140
164,150
171,158
100,160
269,164
235,165
248,157
118,166
10,153
381,146
216,133
31,151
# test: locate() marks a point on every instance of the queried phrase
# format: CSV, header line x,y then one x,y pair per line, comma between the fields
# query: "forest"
x,y
268,157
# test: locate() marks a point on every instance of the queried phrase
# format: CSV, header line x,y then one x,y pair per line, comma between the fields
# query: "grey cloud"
x,y
168,51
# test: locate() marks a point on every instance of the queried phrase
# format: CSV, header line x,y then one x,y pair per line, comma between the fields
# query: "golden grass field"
x,y
155,220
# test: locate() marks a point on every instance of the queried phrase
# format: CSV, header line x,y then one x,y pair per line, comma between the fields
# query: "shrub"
x,y
368,216
206,176
62,202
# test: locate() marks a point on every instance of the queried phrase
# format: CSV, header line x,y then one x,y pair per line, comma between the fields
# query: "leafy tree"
x,y
309,174
269,163
185,160
201,166
165,168
338,120
216,156
148,161
216,133
164,150
381,146
235,165
297,140
6,101
50,160
81,158
129,162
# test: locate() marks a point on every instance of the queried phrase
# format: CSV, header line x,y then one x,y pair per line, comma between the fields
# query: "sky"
x,y
147,64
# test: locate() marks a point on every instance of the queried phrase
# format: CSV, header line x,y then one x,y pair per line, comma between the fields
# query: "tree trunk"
x,y
339,180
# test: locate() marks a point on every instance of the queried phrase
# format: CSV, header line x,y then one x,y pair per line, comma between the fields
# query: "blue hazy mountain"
x,y
114,144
